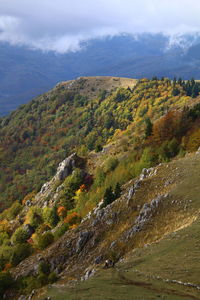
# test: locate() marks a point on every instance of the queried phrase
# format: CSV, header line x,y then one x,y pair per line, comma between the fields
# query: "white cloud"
x,y
60,25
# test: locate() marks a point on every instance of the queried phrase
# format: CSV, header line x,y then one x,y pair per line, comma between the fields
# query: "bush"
x,y
20,252
52,277
44,268
19,236
50,216
14,210
5,255
61,230
98,148
110,164
3,237
108,197
42,279
34,217
6,282
45,240
72,218
99,177
62,212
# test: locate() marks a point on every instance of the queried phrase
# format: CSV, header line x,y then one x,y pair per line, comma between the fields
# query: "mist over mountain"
x,y
26,73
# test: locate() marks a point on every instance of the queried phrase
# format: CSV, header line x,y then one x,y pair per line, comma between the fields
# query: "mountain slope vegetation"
x,y
40,134
92,170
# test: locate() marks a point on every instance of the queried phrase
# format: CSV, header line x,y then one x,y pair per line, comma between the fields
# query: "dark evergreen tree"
x,y
195,91
174,81
175,91
149,128
108,196
180,81
117,191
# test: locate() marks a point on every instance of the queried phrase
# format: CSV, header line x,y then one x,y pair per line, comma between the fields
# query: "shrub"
x,y
61,211
3,237
43,228
108,197
14,210
61,230
50,216
72,218
74,181
20,252
5,226
98,148
34,217
44,268
42,279
5,255
45,240
52,277
148,158
99,177
19,236
110,164
194,141
6,282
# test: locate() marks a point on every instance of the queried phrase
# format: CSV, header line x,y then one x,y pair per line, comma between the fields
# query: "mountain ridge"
x,y
26,73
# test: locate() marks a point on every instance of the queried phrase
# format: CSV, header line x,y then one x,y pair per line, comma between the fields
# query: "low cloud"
x,y
61,25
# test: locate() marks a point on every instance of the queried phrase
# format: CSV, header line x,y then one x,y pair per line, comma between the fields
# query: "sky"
x,y
61,25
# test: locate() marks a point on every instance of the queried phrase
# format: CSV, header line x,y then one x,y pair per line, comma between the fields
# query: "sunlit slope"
x,y
161,259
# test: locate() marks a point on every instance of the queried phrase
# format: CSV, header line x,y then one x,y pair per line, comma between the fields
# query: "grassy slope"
x,y
174,256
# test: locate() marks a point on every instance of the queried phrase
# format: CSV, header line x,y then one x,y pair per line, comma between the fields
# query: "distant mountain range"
x,y
26,73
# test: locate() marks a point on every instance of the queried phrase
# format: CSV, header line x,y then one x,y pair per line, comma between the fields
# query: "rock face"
x,y
65,167
83,239
48,195
146,214
198,151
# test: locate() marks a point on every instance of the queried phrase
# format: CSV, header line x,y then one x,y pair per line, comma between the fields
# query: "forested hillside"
x,y
76,116
70,160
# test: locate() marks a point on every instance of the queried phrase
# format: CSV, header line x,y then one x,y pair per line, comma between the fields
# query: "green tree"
x,y
20,252
19,236
6,282
117,191
50,216
108,197
45,240
149,128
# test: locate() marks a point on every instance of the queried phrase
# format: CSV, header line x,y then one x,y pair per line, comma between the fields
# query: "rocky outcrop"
x,y
198,151
50,190
82,240
65,167
145,214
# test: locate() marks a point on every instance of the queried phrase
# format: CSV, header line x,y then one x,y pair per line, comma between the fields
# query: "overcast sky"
x,y
60,25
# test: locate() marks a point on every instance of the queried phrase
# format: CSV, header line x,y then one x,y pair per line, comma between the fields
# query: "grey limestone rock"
x,y
82,240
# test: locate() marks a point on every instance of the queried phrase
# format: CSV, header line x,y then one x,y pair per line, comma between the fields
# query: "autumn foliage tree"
x,y
72,218
168,127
